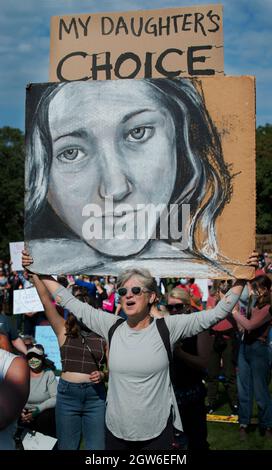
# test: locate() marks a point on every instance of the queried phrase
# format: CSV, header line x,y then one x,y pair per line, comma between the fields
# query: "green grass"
x,y
225,436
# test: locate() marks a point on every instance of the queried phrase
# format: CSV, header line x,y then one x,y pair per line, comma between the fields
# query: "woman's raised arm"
x,y
55,319
97,320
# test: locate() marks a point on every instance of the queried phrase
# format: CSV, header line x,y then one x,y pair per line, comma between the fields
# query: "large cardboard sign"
x,y
45,335
154,173
15,249
26,301
137,44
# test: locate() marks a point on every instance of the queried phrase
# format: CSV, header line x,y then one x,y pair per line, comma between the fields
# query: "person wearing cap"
x,y
39,411
190,361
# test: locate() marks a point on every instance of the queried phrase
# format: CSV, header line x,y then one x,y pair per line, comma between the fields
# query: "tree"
x,y
264,178
12,157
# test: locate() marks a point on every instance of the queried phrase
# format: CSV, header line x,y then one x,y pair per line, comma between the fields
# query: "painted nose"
x,y
117,188
114,181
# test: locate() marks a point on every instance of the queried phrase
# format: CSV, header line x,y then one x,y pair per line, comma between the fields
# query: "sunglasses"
x,y
135,290
177,308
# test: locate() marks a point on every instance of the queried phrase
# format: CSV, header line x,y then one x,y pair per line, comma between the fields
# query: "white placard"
x,y
15,249
45,335
38,441
203,285
26,301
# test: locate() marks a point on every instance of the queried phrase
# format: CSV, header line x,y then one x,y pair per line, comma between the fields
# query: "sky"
x,y
24,45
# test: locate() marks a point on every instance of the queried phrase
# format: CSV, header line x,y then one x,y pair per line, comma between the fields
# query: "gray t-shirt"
x,y
43,391
140,393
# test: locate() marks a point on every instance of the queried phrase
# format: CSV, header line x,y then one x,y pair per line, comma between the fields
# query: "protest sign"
x,y
45,335
26,301
171,42
38,441
15,249
151,173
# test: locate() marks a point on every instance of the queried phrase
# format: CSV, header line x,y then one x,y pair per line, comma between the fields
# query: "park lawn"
x,y
225,436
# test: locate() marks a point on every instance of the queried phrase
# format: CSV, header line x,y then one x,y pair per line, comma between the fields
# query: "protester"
x,y
253,362
80,407
7,329
39,411
224,353
4,287
141,405
190,361
14,390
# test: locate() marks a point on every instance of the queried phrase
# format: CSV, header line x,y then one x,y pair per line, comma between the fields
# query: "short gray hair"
x,y
145,276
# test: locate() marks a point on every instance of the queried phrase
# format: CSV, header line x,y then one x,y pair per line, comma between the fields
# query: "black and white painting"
x,y
125,172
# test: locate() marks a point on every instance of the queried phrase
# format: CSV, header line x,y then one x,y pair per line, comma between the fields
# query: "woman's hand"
x,y
253,260
27,260
26,416
97,376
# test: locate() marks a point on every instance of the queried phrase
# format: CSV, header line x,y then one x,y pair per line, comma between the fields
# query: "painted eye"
x,y
70,155
141,134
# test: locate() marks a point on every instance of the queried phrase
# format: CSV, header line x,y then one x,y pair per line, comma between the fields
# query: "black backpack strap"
x,y
113,328
165,336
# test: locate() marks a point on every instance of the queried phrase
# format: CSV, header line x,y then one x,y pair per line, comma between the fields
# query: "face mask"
x,y
34,363
183,281
112,280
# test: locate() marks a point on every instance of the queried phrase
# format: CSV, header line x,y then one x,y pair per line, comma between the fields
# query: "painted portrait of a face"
x,y
110,141
109,162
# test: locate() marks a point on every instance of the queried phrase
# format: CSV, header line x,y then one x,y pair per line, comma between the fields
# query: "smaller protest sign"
x,y
45,335
26,301
38,441
15,249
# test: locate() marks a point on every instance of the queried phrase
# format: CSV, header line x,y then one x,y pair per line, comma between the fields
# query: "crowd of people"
x,y
107,396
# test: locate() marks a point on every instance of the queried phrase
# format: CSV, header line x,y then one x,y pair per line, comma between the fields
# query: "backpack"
x,y
164,334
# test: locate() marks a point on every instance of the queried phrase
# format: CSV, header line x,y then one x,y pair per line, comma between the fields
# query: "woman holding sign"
x,y
81,394
141,405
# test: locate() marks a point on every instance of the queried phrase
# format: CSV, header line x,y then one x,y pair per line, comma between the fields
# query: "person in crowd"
x,y
29,341
39,411
156,122
189,285
81,395
84,281
7,329
190,362
223,357
96,298
109,303
4,289
141,404
253,360
31,321
14,390
15,283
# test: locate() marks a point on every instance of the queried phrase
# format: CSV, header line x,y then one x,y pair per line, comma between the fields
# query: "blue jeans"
x,y
253,380
80,410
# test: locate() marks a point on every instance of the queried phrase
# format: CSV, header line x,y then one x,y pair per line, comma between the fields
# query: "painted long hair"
x,y
203,179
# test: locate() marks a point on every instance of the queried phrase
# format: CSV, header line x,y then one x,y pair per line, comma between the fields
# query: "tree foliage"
x,y
264,178
12,157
